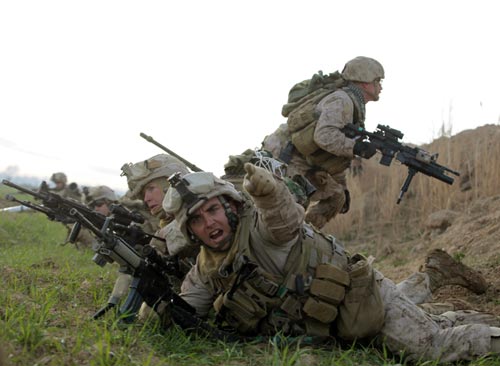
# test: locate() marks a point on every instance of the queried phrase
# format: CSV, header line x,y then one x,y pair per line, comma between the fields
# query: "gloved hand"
x,y
258,181
364,149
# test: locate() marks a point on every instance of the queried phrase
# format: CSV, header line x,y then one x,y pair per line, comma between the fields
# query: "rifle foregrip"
x,y
132,304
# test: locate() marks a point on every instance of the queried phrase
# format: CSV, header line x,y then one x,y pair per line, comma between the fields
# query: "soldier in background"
x,y
147,181
100,199
63,189
318,149
151,223
71,191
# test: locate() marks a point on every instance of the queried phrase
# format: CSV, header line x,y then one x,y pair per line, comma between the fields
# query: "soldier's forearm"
x,y
280,214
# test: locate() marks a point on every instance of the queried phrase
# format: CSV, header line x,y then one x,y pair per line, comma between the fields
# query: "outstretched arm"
x,y
279,214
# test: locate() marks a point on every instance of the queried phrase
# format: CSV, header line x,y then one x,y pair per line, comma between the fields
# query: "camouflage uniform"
x,y
275,233
326,152
71,191
151,223
158,168
65,190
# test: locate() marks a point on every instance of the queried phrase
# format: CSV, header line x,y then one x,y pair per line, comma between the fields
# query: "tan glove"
x,y
258,181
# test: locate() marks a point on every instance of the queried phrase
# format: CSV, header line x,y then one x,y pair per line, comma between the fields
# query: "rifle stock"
x,y
385,139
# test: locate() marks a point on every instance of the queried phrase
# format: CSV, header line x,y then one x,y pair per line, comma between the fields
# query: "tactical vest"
x,y
305,301
302,121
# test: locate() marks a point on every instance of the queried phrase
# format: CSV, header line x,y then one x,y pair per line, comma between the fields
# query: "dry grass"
x,y
374,212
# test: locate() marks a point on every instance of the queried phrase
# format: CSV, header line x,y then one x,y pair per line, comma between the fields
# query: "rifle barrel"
x,y
190,165
20,188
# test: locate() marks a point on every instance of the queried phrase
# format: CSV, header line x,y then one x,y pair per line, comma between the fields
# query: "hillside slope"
x,y
463,219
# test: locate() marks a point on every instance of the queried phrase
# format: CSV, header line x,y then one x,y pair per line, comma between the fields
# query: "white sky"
x,y
79,80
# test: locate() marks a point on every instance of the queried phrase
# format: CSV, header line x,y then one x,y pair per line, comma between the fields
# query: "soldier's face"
x,y
210,224
153,196
372,90
102,207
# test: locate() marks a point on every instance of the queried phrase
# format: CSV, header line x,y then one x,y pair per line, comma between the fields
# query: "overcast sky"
x,y
80,80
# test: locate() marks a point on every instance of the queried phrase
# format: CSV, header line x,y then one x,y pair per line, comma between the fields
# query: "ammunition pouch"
x,y
303,140
242,309
327,292
361,314
304,302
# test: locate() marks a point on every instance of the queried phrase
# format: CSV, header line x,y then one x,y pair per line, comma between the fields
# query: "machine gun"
x,y
57,208
385,139
151,277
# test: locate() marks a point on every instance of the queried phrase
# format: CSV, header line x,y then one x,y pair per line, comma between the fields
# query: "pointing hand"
x,y
258,181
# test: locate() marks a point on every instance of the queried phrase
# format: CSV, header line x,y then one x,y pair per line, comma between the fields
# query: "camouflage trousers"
x,y
410,331
328,200
416,288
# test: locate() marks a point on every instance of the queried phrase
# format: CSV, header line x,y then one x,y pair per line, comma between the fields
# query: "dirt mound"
x,y
462,218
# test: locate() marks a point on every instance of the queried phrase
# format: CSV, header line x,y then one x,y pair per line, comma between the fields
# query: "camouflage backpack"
x,y
301,115
312,91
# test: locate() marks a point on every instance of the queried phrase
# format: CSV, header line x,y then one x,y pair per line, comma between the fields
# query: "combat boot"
x,y
463,317
438,308
443,270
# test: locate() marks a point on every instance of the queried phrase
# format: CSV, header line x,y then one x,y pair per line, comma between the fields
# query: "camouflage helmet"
x,y
363,69
59,178
141,173
203,186
99,193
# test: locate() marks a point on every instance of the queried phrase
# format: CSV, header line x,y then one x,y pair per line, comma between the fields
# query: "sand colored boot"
x,y
463,317
436,308
443,270
452,319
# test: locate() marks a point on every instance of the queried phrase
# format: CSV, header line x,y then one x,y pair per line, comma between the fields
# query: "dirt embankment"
x,y
462,218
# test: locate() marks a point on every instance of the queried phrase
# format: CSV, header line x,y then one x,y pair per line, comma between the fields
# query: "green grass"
x,y
50,292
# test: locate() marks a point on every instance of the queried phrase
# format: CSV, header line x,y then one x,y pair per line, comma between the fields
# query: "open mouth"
x,y
216,234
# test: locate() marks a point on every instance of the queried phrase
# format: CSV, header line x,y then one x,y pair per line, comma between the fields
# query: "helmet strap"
x,y
232,216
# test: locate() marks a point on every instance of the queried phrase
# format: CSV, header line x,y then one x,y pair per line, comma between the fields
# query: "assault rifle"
x,y
151,277
385,139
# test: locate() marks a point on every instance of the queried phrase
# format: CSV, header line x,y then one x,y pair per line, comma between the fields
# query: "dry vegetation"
x,y
462,218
